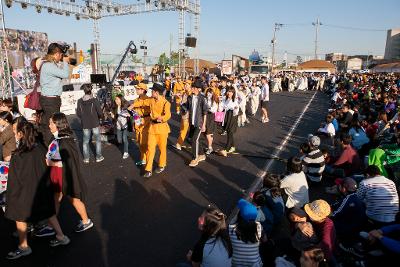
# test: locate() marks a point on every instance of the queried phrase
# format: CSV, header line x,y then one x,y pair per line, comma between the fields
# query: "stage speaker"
x,y
190,41
68,87
98,78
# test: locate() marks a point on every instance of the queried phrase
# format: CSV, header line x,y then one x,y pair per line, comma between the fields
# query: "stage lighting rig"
x,y
24,5
67,14
50,10
38,9
77,17
9,3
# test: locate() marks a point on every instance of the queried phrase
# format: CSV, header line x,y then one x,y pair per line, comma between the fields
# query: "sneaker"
x,y
18,253
56,242
81,227
147,175
177,146
194,163
160,169
266,119
86,161
223,153
209,151
231,150
45,231
100,159
140,163
125,155
201,158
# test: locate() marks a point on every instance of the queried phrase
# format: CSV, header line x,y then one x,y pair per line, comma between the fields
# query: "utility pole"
x,y
273,41
144,47
316,24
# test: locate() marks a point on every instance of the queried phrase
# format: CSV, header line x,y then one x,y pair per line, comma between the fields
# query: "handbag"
x,y
32,100
219,116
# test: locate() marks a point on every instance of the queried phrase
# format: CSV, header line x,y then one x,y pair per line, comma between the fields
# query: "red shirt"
x,y
348,160
327,234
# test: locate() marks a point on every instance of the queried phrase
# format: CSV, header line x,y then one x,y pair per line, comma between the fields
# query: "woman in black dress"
x,y
29,194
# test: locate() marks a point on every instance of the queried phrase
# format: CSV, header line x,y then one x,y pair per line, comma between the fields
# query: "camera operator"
x,y
54,68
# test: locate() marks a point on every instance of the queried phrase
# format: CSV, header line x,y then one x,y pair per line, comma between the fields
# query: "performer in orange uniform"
x,y
141,128
179,89
160,113
184,117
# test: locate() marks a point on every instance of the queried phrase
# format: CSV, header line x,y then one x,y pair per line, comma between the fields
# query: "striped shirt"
x,y
245,254
314,165
380,197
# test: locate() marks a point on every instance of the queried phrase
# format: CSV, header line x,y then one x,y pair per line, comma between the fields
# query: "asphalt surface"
x,y
153,222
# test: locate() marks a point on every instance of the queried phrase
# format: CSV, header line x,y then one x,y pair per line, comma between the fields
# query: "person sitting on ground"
x,y
273,196
304,150
346,117
318,211
313,257
377,157
358,135
295,184
246,236
380,197
314,161
388,236
214,247
348,211
327,128
348,162
302,232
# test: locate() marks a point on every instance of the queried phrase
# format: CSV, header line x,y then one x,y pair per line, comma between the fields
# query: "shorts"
x,y
210,124
56,177
264,104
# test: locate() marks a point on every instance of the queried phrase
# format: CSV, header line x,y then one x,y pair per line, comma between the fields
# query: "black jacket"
x,y
29,194
201,109
89,112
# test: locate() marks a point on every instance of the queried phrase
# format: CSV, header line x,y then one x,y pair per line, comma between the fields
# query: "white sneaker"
x,y
125,155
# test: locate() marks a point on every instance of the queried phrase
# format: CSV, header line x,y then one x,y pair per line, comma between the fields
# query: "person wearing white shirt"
x,y
264,99
231,108
328,129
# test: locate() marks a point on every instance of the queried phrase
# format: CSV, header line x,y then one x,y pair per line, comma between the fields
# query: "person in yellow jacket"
x,y
178,91
142,124
167,84
160,113
184,119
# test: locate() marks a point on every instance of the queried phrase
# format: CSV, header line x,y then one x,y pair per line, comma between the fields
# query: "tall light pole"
x,y
316,24
273,41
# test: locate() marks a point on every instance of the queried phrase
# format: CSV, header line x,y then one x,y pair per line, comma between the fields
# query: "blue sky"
x,y
232,27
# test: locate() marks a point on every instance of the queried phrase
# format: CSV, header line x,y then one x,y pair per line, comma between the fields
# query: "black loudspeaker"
x,y
98,78
190,41
68,87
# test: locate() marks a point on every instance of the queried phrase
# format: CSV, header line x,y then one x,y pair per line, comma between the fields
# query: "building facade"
x,y
392,49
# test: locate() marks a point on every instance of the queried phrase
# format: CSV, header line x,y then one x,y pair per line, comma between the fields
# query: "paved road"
x,y
153,222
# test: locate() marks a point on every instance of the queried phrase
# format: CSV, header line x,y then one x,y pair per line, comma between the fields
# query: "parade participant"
x,y
214,86
160,113
212,100
29,195
264,99
142,126
121,115
51,74
89,112
231,108
223,86
184,127
67,178
197,108
7,139
179,90
167,84
242,94
254,98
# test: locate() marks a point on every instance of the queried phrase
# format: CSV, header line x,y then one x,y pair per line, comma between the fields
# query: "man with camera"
x,y
54,68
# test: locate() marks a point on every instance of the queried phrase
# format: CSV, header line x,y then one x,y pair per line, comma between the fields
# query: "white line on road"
x,y
276,154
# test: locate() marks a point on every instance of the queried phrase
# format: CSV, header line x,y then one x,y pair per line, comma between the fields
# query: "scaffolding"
x,y
98,9
5,70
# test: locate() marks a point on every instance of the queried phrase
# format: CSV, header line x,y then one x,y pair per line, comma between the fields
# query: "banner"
x,y
226,68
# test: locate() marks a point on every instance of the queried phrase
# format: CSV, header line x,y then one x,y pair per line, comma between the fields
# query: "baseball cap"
x,y
141,86
247,210
349,183
318,210
314,140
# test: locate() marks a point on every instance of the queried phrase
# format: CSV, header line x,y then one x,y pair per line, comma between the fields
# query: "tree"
x,y
163,59
174,60
136,59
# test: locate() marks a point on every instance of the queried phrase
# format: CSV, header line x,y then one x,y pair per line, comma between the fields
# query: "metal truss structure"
x,y
98,9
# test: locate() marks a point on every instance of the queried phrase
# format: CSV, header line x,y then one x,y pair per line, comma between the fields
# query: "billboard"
x,y
22,47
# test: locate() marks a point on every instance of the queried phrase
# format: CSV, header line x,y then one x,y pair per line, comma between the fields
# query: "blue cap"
x,y
247,210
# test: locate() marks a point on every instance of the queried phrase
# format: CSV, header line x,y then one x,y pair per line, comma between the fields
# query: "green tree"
x,y
163,59
136,59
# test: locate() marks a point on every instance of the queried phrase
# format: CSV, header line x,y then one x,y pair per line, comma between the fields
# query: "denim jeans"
x,y
122,137
86,138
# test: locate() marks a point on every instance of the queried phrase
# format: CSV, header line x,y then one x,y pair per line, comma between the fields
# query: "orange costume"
x,y
158,131
179,89
142,130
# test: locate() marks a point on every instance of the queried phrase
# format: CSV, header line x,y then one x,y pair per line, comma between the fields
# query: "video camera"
x,y
67,51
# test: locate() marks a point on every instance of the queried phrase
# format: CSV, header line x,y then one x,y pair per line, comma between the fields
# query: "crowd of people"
x,y
355,151
354,157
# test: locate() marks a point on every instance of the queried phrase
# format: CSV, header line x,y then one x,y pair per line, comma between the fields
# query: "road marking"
x,y
260,175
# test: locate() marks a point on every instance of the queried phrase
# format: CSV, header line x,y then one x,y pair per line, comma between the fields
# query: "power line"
x,y
353,28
